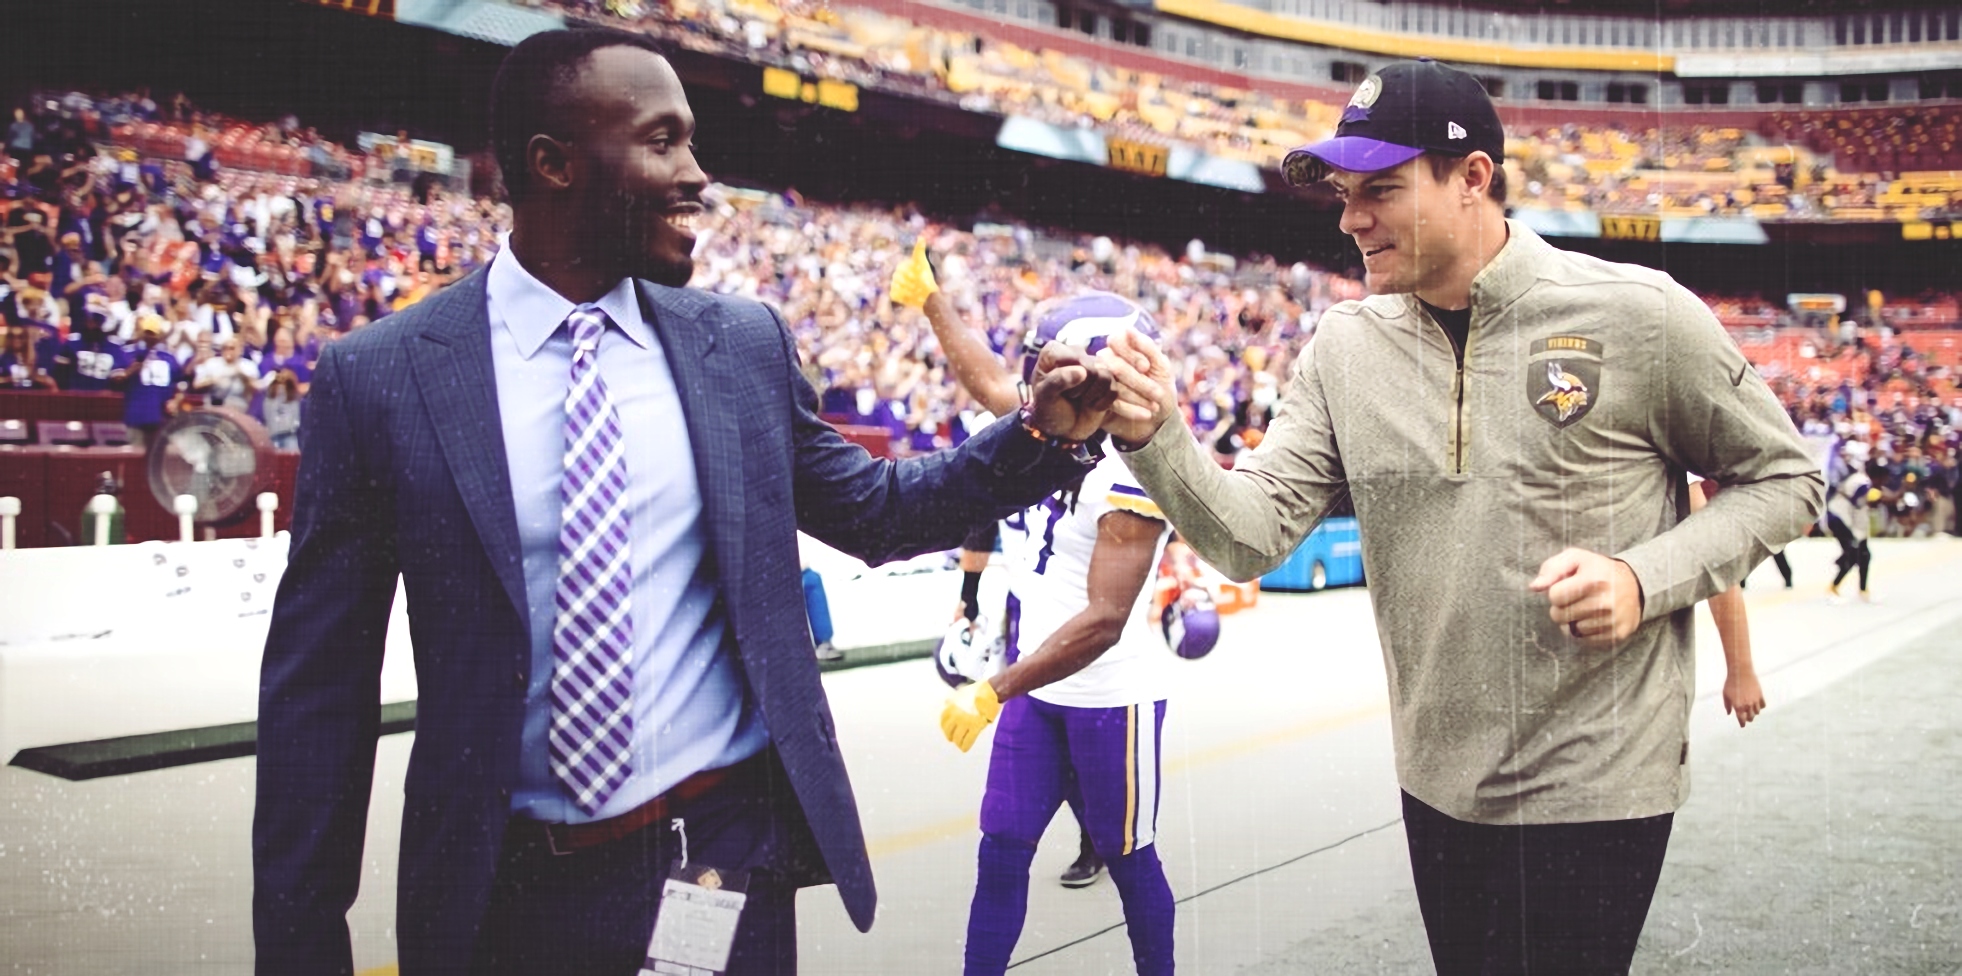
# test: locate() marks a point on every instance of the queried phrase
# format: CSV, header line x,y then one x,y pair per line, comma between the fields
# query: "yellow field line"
x,y
969,823
1241,747
1938,550
966,823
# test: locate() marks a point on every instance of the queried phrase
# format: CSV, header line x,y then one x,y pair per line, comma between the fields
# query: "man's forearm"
x,y
1073,647
1711,550
1232,519
1733,631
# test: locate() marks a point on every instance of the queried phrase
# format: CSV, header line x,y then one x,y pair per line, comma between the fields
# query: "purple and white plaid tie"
x,y
592,635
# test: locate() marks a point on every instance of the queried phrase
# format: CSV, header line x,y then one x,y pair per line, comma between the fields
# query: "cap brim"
x,y
1354,154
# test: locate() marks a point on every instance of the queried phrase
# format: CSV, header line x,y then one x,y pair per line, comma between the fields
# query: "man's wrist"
x,y
1089,450
1029,424
1641,599
1125,445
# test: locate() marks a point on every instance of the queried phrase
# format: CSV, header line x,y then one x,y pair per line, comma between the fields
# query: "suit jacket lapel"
x,y
687,323
452,362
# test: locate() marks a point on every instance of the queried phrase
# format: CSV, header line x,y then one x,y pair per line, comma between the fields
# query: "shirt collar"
x,y
1513,270
532,311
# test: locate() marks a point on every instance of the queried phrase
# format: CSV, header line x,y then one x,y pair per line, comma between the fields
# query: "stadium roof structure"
x,y
1675,9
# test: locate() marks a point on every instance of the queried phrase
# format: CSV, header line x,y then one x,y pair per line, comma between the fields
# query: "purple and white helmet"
x,y
1084,321
968,654
1190,631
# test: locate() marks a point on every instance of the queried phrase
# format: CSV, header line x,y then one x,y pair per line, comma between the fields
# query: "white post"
x,y
9,510
186,506
268,504
102,506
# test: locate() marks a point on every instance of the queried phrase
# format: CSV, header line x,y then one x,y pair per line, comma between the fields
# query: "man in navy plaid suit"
x,y
453,444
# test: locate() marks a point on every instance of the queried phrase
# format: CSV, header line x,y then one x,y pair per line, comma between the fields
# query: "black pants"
x,y
1784,568
591,912
1851,553
1552,899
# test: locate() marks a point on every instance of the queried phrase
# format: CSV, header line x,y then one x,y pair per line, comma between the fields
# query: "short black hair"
x,y
528,96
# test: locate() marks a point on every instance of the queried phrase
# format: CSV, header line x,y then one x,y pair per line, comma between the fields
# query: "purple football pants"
x,y
1041,753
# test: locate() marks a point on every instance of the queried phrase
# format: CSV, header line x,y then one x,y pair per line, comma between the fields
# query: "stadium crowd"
x,y
173,278
1888,165
1698,171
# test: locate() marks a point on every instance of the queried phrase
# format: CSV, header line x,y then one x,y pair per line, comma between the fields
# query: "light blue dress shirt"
x,y
691,705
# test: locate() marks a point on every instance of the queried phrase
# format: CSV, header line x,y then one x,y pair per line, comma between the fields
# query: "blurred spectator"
x,y
20,136
34,250
20,366
150,383
227,379
282,410
90,360
10,288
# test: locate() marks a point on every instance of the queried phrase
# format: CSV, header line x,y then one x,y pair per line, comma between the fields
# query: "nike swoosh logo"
x,y
1742,371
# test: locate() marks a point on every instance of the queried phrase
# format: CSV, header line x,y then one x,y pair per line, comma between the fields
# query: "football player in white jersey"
x,y
1081,703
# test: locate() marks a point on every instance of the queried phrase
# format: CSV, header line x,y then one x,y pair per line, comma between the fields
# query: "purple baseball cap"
x,y
1404,110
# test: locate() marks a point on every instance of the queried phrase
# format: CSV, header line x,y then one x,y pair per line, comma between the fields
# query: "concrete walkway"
x,y
1822,839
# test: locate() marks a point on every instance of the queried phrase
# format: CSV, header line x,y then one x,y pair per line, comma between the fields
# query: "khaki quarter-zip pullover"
x,y
1587,390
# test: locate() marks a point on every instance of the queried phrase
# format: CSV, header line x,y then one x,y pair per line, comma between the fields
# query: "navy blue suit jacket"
x,y
404,473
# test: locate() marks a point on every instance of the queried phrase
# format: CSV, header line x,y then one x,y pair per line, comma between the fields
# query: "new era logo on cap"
x,y
1454,130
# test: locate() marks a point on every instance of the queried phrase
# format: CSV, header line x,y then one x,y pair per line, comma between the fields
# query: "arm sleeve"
x,y
880,510
1113,488
319,697
1712,414
1249,520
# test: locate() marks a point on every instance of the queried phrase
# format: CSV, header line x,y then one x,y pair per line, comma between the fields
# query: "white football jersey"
x,y
1047,549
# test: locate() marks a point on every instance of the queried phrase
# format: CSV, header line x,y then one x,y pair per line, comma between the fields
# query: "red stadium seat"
x,y
109,433
74,432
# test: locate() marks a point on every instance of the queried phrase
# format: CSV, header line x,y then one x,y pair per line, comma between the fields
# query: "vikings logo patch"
x,y
1563,378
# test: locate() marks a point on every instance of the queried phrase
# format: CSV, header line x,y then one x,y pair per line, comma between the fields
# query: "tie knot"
x,y
587,323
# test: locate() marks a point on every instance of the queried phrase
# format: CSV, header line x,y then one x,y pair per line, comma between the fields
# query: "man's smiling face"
x,y
633,156
1409,225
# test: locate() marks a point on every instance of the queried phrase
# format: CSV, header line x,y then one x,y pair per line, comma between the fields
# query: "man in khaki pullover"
x,y
1513,423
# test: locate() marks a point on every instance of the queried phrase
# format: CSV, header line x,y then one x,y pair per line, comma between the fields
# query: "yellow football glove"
x,y
912,282
969,710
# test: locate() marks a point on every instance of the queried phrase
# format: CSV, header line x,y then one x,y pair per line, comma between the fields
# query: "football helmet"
x,y
1190,625
1084,321
968,654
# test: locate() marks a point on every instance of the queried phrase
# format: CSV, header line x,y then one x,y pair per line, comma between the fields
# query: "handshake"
x,y
1125,389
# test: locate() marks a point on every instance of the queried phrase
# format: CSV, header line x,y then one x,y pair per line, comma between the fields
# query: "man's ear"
x,y
549,161
1477,176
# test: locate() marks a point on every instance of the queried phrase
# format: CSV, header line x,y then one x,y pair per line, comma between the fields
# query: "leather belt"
x,y
563,838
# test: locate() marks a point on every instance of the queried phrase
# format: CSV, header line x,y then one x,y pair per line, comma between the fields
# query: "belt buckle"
x,y
552,840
